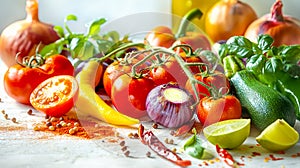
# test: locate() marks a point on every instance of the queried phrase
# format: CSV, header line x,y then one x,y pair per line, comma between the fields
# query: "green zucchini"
x,y
263,104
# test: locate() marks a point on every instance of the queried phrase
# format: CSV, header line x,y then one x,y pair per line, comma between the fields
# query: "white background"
x,y
54,11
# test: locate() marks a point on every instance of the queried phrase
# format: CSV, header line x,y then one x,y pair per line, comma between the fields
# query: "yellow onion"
x,y
228,18
284,29
24,36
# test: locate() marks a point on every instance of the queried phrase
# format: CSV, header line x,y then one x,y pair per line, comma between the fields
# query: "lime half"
x,y
278,136
228,134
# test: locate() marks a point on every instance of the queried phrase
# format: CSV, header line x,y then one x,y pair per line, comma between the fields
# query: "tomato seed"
x,y
48,123
58,125
75,129
72,131
51,128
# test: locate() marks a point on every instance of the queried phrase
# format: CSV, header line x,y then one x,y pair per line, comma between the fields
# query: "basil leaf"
x,y
240,46
264,42
223,51
256,64
273,70
292,69
291,54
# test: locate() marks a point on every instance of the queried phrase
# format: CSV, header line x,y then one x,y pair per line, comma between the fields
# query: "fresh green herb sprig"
x,y
83,46
269,63
194,147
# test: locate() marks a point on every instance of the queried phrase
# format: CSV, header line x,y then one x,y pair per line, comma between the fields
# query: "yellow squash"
x,y
90,104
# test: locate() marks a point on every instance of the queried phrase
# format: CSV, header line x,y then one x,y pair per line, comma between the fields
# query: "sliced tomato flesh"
x,y
55,96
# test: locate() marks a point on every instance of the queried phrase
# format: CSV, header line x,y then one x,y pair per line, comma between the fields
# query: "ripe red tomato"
x,y
170,71
20,81
56,95
193,59
210,110
217,80
129,95
116,69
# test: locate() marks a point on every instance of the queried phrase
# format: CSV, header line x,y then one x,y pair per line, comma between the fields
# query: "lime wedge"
x,y
228,134
278,136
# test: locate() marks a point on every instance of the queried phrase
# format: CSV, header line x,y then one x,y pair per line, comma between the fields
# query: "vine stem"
x,y
184,65
120,49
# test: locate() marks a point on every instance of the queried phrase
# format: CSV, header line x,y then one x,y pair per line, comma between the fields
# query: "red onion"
x,y
170,105
284,29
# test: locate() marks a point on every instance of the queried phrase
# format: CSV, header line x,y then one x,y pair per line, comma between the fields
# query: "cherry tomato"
x,y
21,80
129,95
170,71
56,95
193,59
210,110
217,80
116,69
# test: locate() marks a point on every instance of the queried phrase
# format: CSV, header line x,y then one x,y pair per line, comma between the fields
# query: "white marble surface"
x,y
28,148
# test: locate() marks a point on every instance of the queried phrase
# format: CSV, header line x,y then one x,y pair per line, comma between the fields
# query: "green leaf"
x,y
291,53
273,70
82,49
223,51
71,17
240,46
256,64
94,27
53,48
292,69
193,147
264,42
59,30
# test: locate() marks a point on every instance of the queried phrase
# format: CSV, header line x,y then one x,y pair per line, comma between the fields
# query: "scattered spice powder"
x,y
72,126
296,155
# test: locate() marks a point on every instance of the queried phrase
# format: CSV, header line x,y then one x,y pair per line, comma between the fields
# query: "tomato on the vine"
x,y
116,69
169,71
129,95
21,79
217,80
211,110
56,95
193,59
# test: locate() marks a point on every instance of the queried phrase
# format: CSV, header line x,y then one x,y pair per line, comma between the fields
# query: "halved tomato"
x,y
55,96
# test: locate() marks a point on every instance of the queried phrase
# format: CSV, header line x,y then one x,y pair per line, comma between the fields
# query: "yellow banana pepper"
x,y
90,104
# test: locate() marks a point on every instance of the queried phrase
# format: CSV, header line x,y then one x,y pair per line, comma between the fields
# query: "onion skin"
x,y
166,113
228,18
285,30
24,36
